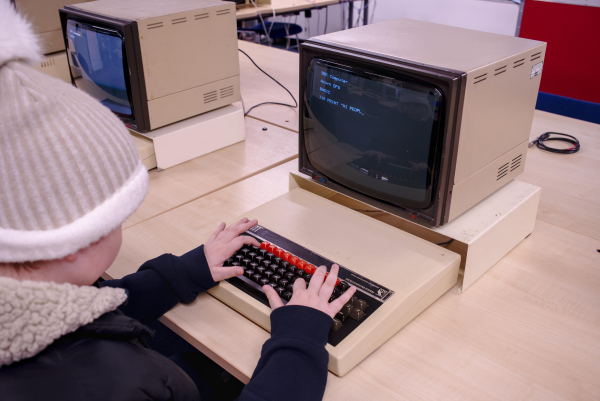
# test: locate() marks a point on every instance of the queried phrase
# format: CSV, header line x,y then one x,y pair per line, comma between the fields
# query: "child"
x,y
69,176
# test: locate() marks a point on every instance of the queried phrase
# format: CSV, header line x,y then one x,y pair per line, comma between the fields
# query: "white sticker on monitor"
x,y
536,69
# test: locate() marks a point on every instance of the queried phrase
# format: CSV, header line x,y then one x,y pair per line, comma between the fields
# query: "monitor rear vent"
x,y
225,92
480,78
516,162
210,97
201,16
47,62
155,25
223,12
500,70
502,171
178,20
536,56
518,63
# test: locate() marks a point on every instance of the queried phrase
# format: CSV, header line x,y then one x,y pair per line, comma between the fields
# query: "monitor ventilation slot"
x,y
518,63
536,56
516,162
480,78
178,20
210,96
155,25
225,92
500,70
502,171
201,16
223,12
47,62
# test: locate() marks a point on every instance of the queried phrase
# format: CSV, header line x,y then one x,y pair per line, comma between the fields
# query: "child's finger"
x,y
221,273
237,229
327,287
238,242
317,280
215,234
273,297
337,304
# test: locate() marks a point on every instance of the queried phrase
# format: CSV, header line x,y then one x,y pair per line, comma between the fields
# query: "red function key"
x,y
271,248
279,253
301,265
264,245
337,281
294,260
286,256
310,269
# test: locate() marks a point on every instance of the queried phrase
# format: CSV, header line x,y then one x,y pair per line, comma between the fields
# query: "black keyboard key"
x,y
308,277
255,248
267,263
284,264
273,267
343,286
260,270
244,252
341,317
275,278
238,258
336,325
264,281
274,285
357,314
249,273
263,253
290,287
277,261
252,256
270,256
246,262
336,293
280,290
292,269
256,277
235,264
300,273
253,265
287,295
283,282
346,309
268,274
281,271
228,262
288,276
259,259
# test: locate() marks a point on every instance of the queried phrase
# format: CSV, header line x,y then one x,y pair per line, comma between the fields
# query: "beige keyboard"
x,y
397,275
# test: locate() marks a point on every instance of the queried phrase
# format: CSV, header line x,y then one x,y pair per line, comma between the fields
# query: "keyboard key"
x,y
360,304
264,281
343,286
244,252
286,256
238,258
292,269
273,267
264,245
336,293
352,300
281,271
246,262
228,262
260,270
255,248
268,274
280,290
270,257
346,309
293,260
256,277
252,256
275,278
266,263
287,295
274,285
308,277
284,264
277,261
336,325
253,265
301,264
289,276
290,287
249,273
235,264
279,253
357,314
310,269
271,248
263,253
300,273
341,317
283,282
259,259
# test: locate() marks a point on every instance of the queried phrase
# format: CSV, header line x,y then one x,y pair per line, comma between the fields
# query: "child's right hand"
x,y
223,243
317,294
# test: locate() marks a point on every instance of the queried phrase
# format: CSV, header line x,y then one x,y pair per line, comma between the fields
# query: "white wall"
x,y
497,16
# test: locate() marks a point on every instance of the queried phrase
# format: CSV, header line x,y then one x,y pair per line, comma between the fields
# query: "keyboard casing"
x,y
416,272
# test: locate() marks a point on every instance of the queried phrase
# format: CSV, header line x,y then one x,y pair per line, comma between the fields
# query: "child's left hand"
x,y
223,243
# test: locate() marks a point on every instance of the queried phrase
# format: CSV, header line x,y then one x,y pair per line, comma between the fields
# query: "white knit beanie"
x,y
69,170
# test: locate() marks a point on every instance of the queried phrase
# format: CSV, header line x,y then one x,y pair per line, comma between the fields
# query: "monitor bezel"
x,y
450,83
135,80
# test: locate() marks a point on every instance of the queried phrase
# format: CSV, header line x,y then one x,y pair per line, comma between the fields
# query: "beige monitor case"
x,y
498,78
188,50
43,14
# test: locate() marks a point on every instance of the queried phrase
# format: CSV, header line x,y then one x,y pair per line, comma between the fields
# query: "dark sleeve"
x,y
293,362
161,283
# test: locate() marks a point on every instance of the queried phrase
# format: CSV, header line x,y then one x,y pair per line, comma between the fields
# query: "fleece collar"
x,y
34,314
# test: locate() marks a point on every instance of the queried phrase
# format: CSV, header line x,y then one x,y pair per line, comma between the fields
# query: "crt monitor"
x,y
417,119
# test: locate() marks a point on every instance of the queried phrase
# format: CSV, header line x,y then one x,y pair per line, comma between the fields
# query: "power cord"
x,y
446,242
546,137
278,83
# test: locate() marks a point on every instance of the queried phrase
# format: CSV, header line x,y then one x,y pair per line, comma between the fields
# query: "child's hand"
x,y
223,243
316,295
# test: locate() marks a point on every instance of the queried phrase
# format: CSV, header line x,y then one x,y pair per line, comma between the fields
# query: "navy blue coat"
x,y
105,360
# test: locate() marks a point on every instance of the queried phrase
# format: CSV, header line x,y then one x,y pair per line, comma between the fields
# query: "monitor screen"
x,y
97,65
372,133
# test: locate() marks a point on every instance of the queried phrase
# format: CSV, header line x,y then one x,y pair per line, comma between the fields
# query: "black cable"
x,y
446,242
264,72
546,137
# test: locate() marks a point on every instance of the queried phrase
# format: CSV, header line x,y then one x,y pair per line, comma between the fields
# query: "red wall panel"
x,y
572,63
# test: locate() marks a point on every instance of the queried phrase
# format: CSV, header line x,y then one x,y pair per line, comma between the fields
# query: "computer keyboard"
x,y
279,262
397,275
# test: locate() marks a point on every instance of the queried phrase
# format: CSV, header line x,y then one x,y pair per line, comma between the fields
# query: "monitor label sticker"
x,y
536,69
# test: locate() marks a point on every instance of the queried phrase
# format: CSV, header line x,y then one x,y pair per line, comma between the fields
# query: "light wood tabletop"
x,y
262,149
280,7
528,329
257,87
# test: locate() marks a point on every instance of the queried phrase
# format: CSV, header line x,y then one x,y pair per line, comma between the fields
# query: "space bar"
x,y
251,288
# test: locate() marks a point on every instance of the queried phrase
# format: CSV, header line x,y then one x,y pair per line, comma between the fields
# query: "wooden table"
x,y
280,7
526,330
